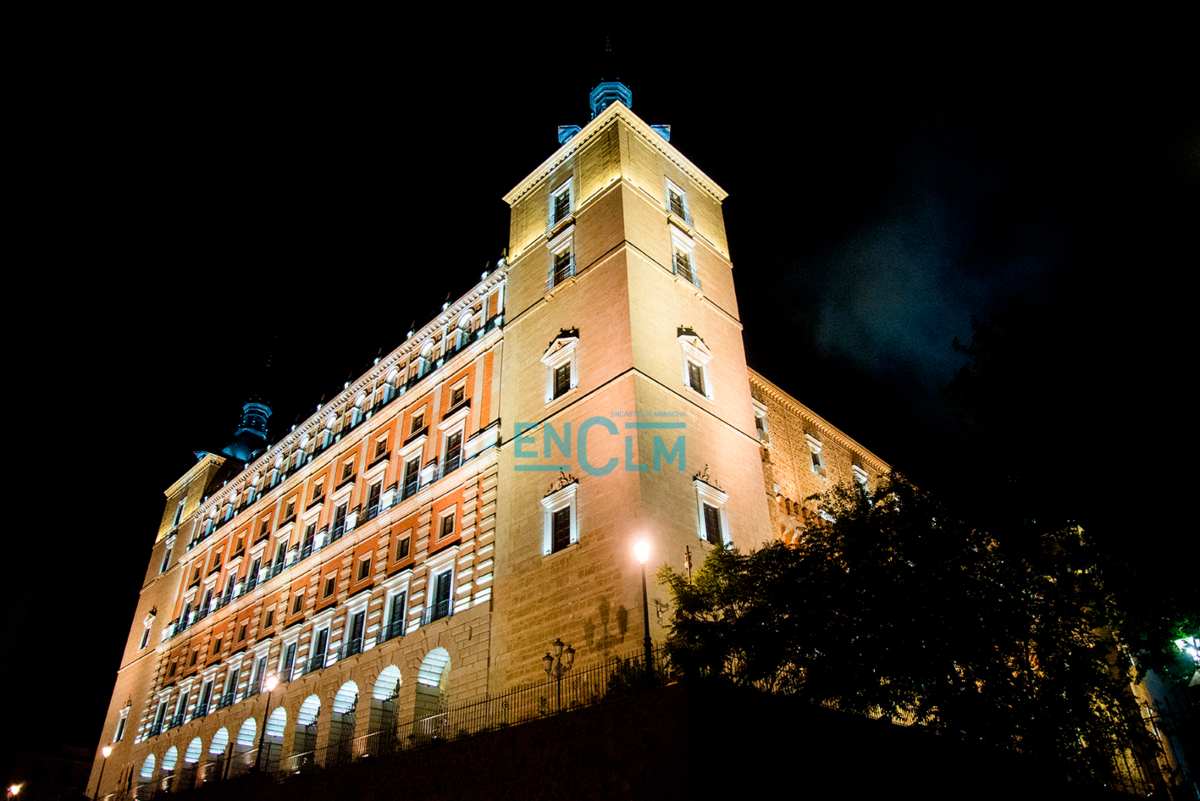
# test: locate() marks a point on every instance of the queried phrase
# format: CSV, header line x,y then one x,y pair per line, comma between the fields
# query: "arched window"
x,y
381,736
147,771
431,693
341,731
304,741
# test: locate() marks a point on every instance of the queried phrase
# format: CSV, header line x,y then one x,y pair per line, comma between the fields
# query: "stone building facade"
x,y
425,535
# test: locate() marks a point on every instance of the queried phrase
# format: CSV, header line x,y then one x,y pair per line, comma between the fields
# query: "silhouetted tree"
x,y
894,606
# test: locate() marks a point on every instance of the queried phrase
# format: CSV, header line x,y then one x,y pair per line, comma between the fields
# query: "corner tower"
x,y
625,371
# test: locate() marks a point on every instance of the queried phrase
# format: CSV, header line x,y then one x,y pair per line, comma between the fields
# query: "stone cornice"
x,y
766,386
616,111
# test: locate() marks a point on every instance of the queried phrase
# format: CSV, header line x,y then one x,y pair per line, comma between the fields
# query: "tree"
x,y
894,606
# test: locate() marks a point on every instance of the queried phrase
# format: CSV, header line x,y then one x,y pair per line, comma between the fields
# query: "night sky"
x,y
193,205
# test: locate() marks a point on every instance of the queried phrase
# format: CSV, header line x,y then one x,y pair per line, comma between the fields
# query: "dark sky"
x,y
190,202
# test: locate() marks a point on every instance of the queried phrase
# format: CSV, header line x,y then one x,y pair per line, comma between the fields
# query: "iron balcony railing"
x,y
437,611
352,646
394,629
315,663
226,699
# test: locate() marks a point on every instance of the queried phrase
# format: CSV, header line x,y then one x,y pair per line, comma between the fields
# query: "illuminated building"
x,y
474,495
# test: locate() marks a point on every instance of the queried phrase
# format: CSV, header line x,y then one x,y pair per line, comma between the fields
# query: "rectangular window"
x,y
195,655
166,560
402,547
242,632
260,672
121,721
145,638
358,623
677,201
290,510
347,470
562,379
373,495
457,395
560,535
447,526
269,618
178,513
560,203
696,377
298,603
364,568
418,423
330,586
216,646
288,661
396,612
441,595
380,447
564,267
683,265
453,452
412,476
264,528
320,646
712,524
318,491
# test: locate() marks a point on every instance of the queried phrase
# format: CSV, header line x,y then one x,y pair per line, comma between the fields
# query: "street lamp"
x,y
271,683
14,790
106,751
641,552
557,665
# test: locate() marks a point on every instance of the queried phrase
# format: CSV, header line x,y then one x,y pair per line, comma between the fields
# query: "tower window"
x,y
562,364
364,568
696,377
713,524
457,395
564,267
677,201
330,584
447,526
562,379
815,454
560,203
560,515
418,422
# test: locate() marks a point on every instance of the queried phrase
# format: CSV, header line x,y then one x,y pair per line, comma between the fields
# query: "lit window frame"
x,y
564,350
708,494
567,187
693,349
564,498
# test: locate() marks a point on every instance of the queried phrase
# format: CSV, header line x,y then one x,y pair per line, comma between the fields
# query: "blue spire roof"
x,y
605,93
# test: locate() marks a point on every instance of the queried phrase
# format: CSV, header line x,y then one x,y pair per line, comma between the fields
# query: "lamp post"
x,y
641,552
557,665
271,683
106,751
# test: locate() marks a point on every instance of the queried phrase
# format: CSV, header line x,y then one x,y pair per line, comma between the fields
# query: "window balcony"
x,y
201,711
226,699
316,663
437,611
352,646
393,630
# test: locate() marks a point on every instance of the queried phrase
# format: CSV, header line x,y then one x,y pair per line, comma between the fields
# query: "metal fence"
x,y
436,722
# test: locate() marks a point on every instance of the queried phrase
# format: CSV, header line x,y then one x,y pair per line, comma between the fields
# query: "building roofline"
x,y
367,378
193,471
774,389
616,110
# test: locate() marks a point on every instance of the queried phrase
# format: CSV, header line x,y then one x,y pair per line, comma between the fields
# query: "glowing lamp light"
x,y
1190,646
641,551
14,790
271,683
107,751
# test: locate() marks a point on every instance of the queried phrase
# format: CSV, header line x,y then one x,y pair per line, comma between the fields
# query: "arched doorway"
x,y
432,697
214,766
191,764
146,776
242,759
341,728
169,761
304,739
272,742
381,735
